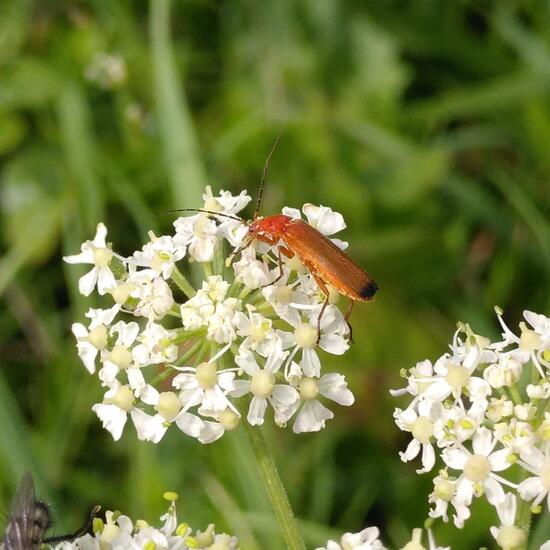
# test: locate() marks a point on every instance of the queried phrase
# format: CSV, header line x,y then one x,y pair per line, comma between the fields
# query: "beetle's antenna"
x,y
264,173
211,212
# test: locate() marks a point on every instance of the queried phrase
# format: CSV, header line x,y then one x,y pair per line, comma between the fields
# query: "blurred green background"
x,y
426,123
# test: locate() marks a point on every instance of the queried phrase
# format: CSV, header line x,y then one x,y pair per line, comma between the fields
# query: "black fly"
x,y
29,519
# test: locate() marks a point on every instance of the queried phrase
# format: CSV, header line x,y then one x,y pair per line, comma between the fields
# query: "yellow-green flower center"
x,y
229,419
262,383
305,336
444,489
283,294
124,398
511,537
457,377
98,337
309,388
121,356
207,375
102,256
422,429
477,468
121,293
159,259
259,332
168,405
529,340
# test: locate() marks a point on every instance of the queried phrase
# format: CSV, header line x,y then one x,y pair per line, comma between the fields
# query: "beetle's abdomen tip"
x,y
369,290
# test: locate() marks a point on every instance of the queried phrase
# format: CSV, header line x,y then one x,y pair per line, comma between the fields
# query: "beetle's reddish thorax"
x,y
272,226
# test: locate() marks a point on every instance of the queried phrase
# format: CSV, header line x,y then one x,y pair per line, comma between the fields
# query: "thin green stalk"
x,y
190,352
184,335
275,488
516,398
182,283
219,259
207,268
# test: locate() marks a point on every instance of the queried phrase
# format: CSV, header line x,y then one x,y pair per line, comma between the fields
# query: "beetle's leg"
x,y
268,240
246,244
347,316
321,284
287,253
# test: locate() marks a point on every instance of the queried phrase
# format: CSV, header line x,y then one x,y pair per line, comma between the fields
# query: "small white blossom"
x,y
537,487
117,403
263,387
313,414
508,536
159,255
479,468
367,539
90,341
97,253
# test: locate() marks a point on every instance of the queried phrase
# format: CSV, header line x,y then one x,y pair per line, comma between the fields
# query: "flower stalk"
x,y
275,488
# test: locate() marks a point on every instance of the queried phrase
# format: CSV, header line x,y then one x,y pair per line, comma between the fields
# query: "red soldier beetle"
x,y
326,262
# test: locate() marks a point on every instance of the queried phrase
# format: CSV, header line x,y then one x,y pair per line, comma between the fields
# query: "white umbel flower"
x,y
479,468
313,414
367,539
508,536
263,386
90,341
536,487
99,254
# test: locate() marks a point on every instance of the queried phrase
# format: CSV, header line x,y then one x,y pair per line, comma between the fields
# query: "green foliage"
x,y
426,124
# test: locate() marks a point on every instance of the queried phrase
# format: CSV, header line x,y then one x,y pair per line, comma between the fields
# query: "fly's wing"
x,y
332,265
20,528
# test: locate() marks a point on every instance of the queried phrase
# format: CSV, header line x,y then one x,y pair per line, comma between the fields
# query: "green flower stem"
x,y
207,268
274,487
184,335
189,353
516,398
244,293
219,259
182,283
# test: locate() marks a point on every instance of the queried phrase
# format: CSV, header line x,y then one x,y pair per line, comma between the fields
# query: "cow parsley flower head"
x,y
481,409
248,340
120,531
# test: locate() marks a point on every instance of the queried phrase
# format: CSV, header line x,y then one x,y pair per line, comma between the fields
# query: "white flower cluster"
x,y
483,407
108,71
368,539
247,333
119,532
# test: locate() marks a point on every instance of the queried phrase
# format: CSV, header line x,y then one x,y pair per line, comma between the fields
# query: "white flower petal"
x,y
148,428
310,364
412,450
334,386
483,443
428,458
312,417
105,280
190,424
112,418
284,395
493,491
499,460
210,432
256,412
530,488
454,458
87,282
